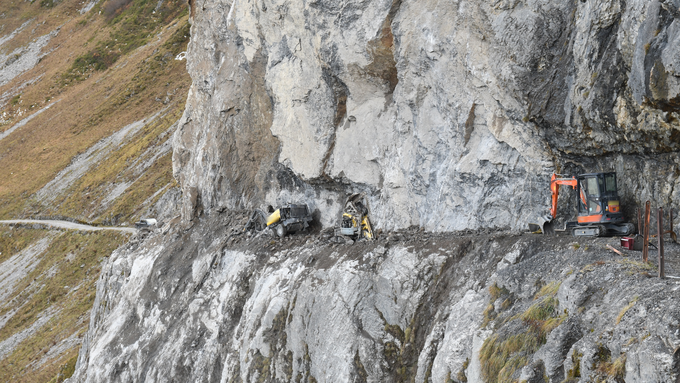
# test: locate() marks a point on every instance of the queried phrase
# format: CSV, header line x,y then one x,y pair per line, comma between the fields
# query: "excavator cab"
x,y
599,211
598,198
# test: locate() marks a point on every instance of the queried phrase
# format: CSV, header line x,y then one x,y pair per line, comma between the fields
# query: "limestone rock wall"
x,y
450,115
210,305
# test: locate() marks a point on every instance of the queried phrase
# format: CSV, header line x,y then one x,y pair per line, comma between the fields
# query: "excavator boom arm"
x,y
555,189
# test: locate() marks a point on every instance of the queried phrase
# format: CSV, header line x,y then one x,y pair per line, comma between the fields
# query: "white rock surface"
x,y
451,116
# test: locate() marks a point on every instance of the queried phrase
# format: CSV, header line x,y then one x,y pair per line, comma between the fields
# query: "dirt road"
x,y
67,225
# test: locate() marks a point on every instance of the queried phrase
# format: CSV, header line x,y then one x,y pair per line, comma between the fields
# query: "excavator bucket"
x,y
548,228
366,229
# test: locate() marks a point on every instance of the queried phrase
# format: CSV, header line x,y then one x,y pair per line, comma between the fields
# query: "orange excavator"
x,y
599,212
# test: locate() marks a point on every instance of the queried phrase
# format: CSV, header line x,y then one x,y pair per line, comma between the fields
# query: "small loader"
x,y
284,220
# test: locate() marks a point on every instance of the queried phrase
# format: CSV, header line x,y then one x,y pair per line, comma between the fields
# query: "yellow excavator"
x,y
355,223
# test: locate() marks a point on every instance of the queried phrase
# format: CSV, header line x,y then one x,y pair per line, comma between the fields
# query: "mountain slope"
x,y
90,93
94,77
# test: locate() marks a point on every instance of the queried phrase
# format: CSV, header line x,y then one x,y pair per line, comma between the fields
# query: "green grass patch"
x,y
575,371
496,292
636,266
502,355
606,369
46,3
66,370
179,39
489,314
615,369
14,240
548,290
399,352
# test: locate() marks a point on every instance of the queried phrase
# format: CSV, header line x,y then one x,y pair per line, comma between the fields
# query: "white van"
x,y
146,223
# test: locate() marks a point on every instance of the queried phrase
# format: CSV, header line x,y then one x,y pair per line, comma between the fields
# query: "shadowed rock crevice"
x,y
469,124
381,51
340,94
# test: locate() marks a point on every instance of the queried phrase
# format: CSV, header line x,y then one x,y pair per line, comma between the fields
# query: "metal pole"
x,y
645,238
662,269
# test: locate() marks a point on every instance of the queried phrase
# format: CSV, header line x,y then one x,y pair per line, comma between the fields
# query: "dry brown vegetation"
x,y
87,109
64,282
103,70
504,354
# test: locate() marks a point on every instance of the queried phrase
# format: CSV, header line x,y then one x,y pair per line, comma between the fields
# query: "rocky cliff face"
x,y
450,116
208,305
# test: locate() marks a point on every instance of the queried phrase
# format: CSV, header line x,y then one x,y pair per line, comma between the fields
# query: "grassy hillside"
x,y
46,314
101,71
90,93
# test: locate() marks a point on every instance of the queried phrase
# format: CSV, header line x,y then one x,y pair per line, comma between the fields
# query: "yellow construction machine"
x,y
284,220
355,223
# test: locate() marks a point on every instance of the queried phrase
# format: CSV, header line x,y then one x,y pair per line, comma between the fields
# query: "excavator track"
x,y
589,231
603,230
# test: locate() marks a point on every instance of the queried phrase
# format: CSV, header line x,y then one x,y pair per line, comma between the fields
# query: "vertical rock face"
x,y
211,305
451,116
224,147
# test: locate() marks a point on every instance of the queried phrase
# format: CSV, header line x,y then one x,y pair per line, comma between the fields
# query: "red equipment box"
x,y
627,242
632,243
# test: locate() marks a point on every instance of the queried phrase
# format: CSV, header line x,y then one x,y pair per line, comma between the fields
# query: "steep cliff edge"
x,y
450,116
207,305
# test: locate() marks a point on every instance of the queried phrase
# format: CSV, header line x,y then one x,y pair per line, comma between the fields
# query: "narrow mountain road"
x,y
67,225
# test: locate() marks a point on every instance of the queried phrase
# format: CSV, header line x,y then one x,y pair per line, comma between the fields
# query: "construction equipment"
x,y
599,212
285,220
355,223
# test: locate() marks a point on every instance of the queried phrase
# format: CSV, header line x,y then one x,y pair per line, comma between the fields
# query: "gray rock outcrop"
x,y
451,116
208,305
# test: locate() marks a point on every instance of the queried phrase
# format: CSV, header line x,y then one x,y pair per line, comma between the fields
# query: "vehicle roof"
x,y
595,174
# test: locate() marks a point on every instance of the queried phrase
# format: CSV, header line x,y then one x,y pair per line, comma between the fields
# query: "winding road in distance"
x,y
67,225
